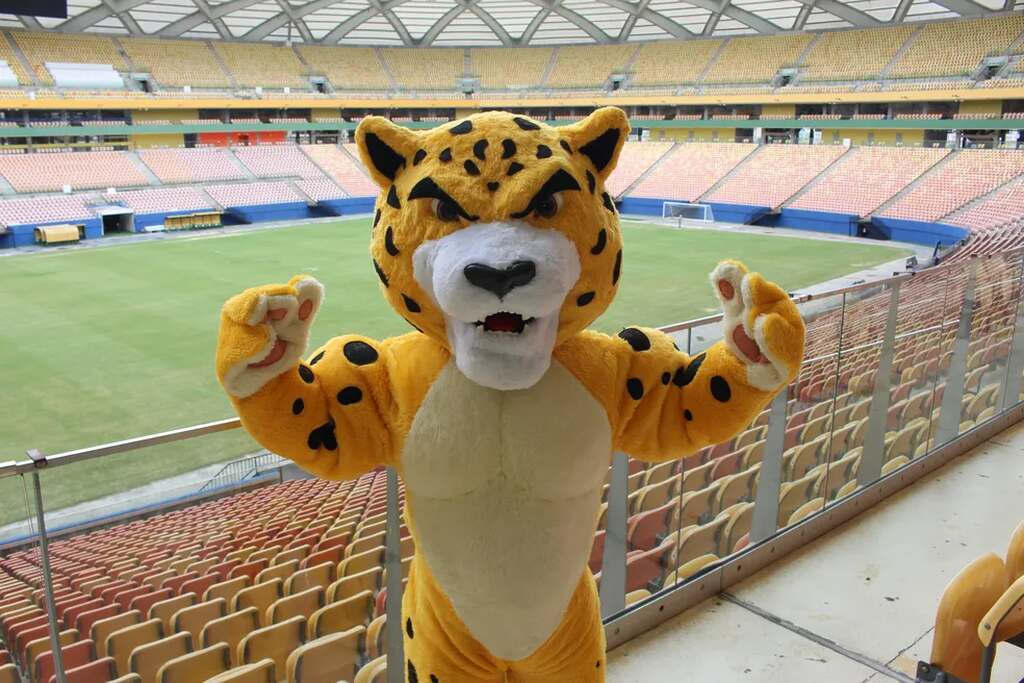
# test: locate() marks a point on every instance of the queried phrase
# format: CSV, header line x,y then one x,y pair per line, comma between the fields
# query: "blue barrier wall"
x,y
641,206
349,205
738,213
24,235
818,221
918,232
271,212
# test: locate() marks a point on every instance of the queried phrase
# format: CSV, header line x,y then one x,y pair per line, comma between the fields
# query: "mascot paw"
x,y
264,331
762,325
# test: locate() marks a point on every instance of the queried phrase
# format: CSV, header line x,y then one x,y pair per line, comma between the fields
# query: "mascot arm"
x,y
665,404
332,415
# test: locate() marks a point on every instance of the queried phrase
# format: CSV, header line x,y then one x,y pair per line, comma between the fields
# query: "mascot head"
x,y
495,235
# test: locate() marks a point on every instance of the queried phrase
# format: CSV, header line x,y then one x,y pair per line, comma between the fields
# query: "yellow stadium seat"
x,y
349,586
321,575
273,642
147,659
301,604
196,666
374,671
261,596
194,618
226,589
263,671
166,609
104,627
121,644
329,658
342,615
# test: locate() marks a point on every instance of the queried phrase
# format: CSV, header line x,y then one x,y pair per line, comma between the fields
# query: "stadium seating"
x,y
254,194
587,66
40,48
853,55
967,175
343,168
320,189
634,160
425,69
867,178
672,62
502,68
756,59
691,169
277,161
775,173
51,209
1001,207
956,48
177,63
164,200
262,65
51,171
8,55
346,68
191,165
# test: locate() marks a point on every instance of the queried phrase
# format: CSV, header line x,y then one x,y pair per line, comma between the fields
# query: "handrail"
x,y
14,468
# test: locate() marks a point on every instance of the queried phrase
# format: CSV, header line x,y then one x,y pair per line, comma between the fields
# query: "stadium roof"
x,y
488,22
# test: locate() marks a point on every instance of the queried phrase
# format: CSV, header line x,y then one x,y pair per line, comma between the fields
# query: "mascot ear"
x,y
599,137
384,148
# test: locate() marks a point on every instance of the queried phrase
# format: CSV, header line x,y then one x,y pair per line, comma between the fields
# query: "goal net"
x,y
678,213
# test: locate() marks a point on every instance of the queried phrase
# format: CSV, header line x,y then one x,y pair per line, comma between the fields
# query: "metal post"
x,y
1015,359
766,506
952,396
393,564
44,557
613,563
873,456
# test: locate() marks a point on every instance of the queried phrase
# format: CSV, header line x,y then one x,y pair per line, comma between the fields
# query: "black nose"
x,y
501,281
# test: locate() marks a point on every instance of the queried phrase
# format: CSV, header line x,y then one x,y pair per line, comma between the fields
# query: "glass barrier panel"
x,y
949,374
20,562
1014,351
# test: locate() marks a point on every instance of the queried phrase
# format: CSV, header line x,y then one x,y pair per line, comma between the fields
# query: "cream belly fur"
x,y
504,488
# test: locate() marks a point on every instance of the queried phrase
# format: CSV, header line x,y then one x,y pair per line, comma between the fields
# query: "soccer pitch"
x,y
109,343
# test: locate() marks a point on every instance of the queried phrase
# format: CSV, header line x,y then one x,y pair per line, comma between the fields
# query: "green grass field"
x,y
107,343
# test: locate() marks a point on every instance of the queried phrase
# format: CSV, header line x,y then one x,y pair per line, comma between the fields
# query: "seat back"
x,y
354,584
104,627
196,666
342,615
273,642
195,617
319,575
41,645
1015,554
226,589
147,659
230,629
330,658
74,655
9,674
121,643
300,604
264,671
373,672
98,671
261,596
165,609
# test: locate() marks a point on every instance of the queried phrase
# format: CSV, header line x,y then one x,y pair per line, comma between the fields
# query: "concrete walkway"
x,y
858,604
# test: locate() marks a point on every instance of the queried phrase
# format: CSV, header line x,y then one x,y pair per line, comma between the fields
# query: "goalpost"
x,y
678,212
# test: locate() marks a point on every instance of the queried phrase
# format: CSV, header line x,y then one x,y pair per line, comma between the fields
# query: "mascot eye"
x,y
445,210
548,205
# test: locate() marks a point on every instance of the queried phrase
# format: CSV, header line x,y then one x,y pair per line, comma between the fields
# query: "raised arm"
x,y
335,415
664,404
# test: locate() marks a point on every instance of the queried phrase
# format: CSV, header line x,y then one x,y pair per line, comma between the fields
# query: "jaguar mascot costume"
x,y
495,238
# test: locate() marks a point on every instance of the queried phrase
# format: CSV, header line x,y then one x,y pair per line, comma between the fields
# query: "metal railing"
x,y
984,280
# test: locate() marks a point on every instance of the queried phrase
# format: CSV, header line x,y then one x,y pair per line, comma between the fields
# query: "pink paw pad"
x,y
276,314
305,309
726,289
747,345
275,355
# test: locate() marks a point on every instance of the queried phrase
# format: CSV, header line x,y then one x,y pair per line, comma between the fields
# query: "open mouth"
x,y
511,323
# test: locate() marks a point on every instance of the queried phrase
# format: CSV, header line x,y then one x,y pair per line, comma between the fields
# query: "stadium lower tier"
x,y
921,195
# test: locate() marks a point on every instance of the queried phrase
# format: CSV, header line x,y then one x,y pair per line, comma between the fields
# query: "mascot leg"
x,y
575,652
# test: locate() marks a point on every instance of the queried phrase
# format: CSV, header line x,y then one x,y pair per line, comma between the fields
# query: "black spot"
x,y
508,148
666,377
445,155
306,374
380,273
675,346
298,405
386,160
688,415
350,395
412,677
323,436
602,240
543,151
420,155
493,185
602,148
359,353
584,299
393,198
598,665
607,201
470,167
462,128
408,627
316,359
686,374
410,304
376,218
565,146
636,339
617,268
635,388
720,389
480,150
525,124
389,242
591,182
513,168
433,679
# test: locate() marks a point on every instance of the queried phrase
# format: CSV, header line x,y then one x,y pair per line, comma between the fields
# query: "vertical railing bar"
x,y
766,505
835,394
930,437
1015,358
393,564
874,440
613,562
44,557
952,397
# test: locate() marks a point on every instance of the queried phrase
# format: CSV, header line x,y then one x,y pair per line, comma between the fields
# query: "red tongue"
x,y
502,322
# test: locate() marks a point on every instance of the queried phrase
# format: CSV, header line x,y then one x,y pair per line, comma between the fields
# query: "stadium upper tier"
x,y
934,55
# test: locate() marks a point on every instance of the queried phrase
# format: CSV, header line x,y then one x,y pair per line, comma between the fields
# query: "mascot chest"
x,y
504,488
